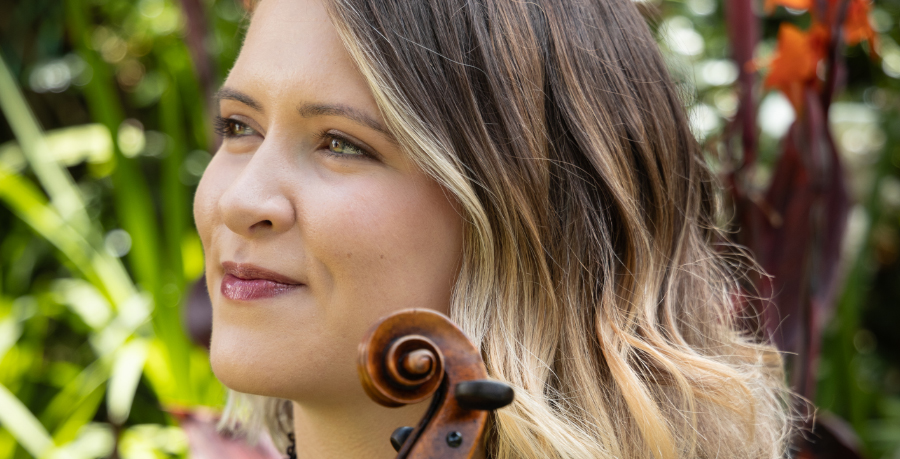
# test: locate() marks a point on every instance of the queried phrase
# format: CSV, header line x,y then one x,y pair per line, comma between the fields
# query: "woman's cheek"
x,y
388,246
345,227
203,208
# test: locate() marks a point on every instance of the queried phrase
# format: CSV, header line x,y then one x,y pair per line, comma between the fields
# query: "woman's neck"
x,y
350,430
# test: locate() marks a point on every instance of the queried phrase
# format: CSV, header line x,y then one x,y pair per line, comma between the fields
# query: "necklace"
x,y
292,448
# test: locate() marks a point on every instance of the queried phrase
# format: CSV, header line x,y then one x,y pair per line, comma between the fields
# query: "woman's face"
x,y
314,222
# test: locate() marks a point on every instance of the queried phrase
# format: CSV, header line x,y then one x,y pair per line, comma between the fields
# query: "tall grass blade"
x,y
19,421
123,382
28,203
133,197
56,180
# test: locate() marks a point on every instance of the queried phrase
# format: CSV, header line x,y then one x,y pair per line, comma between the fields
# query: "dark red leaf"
x,y
797,229
198,313
205,442
743,32
830,438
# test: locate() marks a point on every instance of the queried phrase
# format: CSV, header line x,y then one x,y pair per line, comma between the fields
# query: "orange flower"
x,y
793,4
857,26
796,58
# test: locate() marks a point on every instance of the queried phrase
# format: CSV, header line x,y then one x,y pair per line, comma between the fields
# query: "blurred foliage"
x,y
859,367
107,132
106,137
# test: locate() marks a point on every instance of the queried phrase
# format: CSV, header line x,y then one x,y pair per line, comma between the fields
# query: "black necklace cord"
x,y
292,448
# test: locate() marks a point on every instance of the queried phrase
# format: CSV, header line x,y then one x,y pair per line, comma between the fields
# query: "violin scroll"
x,y
409,372
418,353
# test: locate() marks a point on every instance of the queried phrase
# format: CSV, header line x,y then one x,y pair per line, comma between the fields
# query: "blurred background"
x,y
106,130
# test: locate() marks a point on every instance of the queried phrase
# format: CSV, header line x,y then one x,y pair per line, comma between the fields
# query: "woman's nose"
x,y
255,205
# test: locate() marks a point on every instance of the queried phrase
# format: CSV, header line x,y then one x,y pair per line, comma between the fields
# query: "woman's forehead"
x,y
292,53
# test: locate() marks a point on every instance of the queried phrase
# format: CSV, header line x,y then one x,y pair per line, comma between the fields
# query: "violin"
x,y
414,354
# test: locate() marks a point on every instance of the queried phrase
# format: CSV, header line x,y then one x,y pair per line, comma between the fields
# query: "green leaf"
x,y
133,198
84,300
80,416
10,330
30,205
7,443
76,393
23,425
92,440
123,382
55,179
68,146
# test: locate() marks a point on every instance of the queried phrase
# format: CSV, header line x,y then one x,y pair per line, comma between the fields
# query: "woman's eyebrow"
x,y
310,110
234,94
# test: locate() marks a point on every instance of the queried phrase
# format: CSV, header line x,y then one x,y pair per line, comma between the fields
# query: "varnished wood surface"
x,y
417,353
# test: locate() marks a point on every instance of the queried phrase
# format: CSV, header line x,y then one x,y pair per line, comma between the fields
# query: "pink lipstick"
x,y
246,282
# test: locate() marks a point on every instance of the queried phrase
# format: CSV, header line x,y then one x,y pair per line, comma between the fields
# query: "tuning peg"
x,y
483,394
398,438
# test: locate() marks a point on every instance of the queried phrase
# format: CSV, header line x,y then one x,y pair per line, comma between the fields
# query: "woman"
x,y
525,168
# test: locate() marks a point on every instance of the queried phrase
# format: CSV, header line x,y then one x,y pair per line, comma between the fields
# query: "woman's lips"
x,y
244,282
235,288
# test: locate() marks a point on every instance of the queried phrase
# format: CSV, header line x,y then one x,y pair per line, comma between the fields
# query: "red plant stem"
x,y
196,37
834,61
743,32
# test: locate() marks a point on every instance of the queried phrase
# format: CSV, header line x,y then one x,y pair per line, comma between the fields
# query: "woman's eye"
x,y
227,127
339,146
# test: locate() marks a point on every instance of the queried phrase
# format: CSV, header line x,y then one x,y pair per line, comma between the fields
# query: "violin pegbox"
x,y
418,353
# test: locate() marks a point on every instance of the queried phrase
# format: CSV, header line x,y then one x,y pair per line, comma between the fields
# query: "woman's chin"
x,y
250,369
239,368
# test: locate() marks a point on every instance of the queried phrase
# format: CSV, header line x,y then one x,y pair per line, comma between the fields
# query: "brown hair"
x,y
589,279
